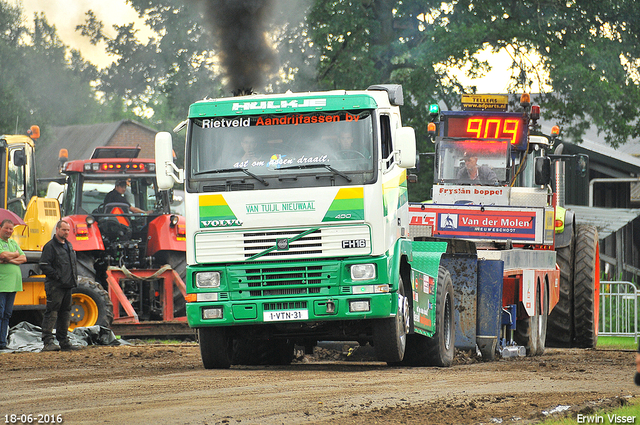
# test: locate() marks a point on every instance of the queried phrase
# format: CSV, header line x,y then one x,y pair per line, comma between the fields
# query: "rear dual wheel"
x,y
531,331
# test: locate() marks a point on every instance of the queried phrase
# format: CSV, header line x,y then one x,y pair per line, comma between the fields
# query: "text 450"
x,y
32,419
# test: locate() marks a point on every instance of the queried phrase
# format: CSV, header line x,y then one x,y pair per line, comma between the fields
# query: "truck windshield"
x,y
281,150
473,161
86,196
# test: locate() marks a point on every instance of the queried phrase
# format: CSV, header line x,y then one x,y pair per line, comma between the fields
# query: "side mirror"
x,y
19,158
542,167
582,165
166,171
405,145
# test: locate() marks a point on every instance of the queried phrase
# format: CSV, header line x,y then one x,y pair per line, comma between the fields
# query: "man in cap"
x,y
471,171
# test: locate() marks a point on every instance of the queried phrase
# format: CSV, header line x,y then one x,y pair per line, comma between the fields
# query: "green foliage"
x,y
39,83
589,57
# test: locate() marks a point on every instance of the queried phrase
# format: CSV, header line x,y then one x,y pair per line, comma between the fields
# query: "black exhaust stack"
x,y
240,31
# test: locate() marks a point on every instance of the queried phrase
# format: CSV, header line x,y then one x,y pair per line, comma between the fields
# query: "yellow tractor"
x,y
18,193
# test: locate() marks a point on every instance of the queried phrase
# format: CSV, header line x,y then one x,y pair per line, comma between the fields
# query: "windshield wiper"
x,y
328,167
228,170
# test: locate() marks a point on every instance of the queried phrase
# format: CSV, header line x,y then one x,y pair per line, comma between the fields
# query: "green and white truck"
x,y
298,229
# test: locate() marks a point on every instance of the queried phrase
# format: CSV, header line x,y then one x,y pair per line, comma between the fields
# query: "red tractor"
x,y
137,258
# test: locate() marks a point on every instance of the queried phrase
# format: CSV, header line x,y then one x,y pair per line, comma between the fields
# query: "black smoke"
x,y
240,31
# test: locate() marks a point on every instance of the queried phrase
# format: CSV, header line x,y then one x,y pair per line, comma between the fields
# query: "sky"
x,y
67,14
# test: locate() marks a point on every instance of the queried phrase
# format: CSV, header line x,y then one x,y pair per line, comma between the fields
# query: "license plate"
x,y
277,316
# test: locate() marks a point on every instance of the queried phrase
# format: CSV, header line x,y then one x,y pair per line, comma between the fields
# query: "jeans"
x,y
58,313
6,309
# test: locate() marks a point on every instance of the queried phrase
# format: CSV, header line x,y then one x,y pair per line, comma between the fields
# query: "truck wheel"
x,y
438,350
560,323
526,333
543,322
90,305
586,287
390,334
215,348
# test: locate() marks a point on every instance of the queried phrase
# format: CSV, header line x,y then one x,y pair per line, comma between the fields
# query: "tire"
x,y
543,321
90,305
586,287
215,348
526,333
390,334
85,263
438,350
178,262
560,322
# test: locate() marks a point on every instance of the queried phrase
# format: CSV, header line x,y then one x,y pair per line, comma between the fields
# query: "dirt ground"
x,y
149,383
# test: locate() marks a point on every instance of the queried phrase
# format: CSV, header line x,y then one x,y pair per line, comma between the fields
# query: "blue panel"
x,y
463,269
490,274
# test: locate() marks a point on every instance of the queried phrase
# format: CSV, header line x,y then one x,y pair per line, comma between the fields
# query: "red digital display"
x,y
486,127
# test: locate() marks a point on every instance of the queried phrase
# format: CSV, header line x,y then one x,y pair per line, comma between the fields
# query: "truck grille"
x,y
265,280
228,246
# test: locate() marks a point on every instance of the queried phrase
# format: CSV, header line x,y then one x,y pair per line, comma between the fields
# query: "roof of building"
x,y
78,140
607,220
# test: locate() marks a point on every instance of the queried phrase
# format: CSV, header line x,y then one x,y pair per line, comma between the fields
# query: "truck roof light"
x,y
431,128
525,100
555,130
535,112
434,109
63,155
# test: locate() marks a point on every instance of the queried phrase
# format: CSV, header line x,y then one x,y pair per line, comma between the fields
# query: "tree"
x,y
38,83
589,55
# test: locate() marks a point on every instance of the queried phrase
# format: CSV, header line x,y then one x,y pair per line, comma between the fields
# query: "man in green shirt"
x,y
11,256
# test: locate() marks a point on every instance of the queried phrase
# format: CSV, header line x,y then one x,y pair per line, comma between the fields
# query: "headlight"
x,y
208,280
363,271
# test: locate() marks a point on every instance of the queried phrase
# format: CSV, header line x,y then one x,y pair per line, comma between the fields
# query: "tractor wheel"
x,y
178,262
560,324
85,265
586,287
215,348
390,334
439,349
90,305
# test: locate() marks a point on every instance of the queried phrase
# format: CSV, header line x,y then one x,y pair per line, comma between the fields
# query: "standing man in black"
x,y
58,263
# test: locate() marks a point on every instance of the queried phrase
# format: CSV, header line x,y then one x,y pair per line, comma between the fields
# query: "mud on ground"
x,y
152,383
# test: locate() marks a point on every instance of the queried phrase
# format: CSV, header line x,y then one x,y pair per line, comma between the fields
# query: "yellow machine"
x,y
18,193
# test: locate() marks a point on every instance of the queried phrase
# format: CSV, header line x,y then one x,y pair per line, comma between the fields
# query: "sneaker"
x,y
50,346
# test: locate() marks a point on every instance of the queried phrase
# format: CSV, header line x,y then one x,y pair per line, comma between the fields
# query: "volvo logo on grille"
x,y
282,244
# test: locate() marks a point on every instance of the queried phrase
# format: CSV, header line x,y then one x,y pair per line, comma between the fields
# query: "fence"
x,y
618,309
